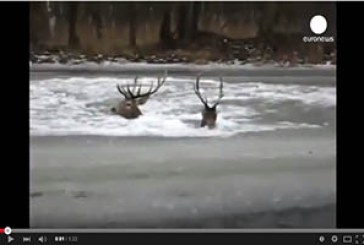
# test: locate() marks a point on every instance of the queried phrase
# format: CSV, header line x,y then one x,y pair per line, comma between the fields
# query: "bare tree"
x,y
96,18
267,19
73,39
165,33
132,24
39,23
181,20
187,20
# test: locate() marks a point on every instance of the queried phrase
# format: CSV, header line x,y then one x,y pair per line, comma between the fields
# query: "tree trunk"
x,y
132,25
73,39
195,18
267,20
97,19
165,34
191,17
39,20
189,23
181,20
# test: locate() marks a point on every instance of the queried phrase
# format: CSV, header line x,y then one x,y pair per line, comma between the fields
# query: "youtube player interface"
x,y
182,116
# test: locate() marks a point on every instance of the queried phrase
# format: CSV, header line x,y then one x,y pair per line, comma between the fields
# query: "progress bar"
x,y
112,230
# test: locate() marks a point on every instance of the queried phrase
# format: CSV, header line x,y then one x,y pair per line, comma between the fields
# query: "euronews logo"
x,y
318,25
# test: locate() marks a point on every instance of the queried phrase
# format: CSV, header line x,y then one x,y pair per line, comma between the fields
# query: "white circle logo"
x,y
7,230
318,24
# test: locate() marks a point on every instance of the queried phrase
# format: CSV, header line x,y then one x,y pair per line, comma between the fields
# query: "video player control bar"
x,y
224,236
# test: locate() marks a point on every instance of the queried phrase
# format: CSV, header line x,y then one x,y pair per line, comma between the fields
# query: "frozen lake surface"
x,y
271,161
80,105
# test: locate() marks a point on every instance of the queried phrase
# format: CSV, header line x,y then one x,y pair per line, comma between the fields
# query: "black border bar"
x,y
14,173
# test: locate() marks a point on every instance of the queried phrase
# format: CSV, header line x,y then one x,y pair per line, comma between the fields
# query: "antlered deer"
x,y
209,113
128,108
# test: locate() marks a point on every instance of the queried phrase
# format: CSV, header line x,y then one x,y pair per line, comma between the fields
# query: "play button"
x,y
10,239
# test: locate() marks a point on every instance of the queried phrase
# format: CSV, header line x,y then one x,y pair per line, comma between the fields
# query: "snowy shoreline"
x,y
316,74
115,66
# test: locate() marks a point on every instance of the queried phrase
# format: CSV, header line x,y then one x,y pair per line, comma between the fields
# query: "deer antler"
x,y
204,101
198,93
221,93
135,92
161,81
122,90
